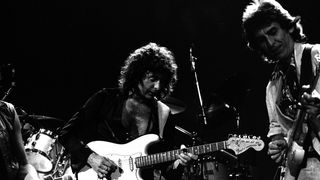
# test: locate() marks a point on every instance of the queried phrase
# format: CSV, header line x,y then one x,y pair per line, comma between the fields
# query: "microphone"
x,y
192,58
190,54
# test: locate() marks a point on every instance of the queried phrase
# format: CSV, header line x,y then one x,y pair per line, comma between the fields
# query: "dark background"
x,y
63,51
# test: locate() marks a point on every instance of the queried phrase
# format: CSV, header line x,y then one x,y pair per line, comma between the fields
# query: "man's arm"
x,y
26,170
81,124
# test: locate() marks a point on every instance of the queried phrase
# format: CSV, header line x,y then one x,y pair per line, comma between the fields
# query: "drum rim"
x,y
43,154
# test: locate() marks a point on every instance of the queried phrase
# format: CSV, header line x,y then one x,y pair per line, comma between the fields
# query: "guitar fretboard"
x,y
158,158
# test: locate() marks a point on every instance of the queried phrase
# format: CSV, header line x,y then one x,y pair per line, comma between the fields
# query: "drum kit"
x,y
40,136
44,152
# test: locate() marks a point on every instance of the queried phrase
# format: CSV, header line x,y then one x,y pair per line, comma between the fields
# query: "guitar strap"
x,y
307,76
163,113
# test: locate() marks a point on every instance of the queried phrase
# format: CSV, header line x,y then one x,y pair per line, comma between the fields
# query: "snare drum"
x,y
38,148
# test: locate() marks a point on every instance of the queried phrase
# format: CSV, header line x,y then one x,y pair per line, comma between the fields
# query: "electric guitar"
x,y
132,156
295,153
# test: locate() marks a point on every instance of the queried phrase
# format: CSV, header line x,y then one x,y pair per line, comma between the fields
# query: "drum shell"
x,y
38,147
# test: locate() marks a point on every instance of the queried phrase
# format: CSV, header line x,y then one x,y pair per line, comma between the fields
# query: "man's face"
x,y
275,42
150,85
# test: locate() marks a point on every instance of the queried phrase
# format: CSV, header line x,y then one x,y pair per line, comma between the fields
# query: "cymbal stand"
x,y
55,169
193,135
13,84
193,68
6,94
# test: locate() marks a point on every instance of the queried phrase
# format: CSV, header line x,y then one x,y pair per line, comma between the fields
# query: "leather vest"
x,y
9,163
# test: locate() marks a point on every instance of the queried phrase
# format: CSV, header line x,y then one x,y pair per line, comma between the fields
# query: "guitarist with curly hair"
x,y
124,114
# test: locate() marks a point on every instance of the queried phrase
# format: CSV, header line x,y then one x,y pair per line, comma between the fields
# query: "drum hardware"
x,y
59,158
61,164
193,135
7,93
5,70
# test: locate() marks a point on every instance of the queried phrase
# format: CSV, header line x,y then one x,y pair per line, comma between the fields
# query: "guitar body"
x,y
295,157
121,154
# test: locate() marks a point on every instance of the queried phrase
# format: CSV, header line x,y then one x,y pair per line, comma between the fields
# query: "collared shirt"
x,y
279,122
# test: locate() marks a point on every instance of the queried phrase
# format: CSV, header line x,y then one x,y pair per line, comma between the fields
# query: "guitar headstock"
x,y
241,143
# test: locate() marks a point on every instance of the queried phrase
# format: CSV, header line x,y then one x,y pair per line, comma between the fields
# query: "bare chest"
x,y
136,116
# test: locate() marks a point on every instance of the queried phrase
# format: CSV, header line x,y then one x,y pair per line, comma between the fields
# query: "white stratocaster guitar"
x,y
132,156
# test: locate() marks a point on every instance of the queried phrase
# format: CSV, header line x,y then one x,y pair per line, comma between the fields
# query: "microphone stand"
x,y
193,69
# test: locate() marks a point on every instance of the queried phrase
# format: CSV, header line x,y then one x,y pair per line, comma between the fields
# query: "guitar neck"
x,y
163,157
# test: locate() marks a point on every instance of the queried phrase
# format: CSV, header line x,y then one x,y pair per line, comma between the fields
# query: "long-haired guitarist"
x,y
123,114
292,92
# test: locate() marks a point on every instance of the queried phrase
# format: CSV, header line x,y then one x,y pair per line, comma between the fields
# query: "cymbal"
x,y
41,121
218,111
44,118
176,105
235,88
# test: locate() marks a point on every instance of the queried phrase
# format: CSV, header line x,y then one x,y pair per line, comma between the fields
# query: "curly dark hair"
x,y
149,58
261,13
